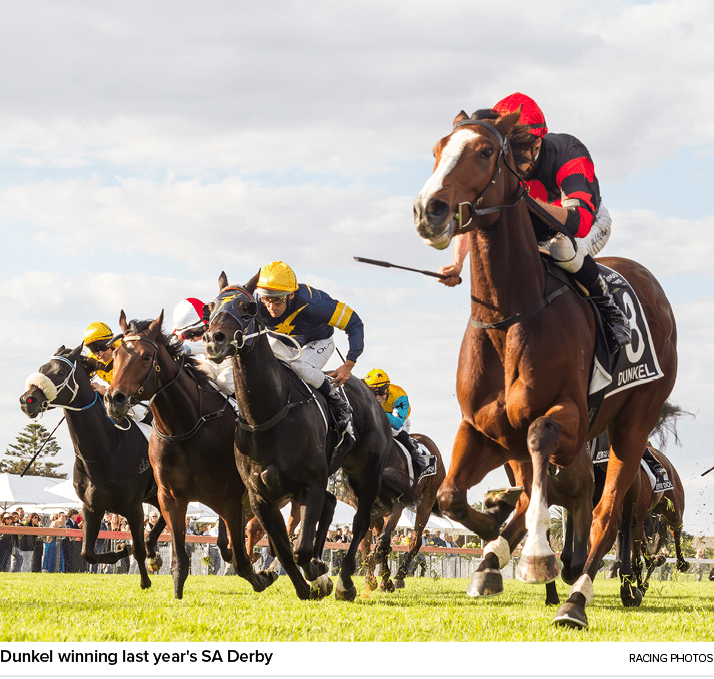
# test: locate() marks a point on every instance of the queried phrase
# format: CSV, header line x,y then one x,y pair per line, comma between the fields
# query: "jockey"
x,y
310,316
190,319
395,402
97,339
560,176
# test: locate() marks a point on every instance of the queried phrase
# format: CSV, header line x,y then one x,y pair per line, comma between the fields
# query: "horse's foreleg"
x,y
316,510
91,522
234,521
174,511
272,521
602,535
538,563
487,579
154,560
135,519
254,534
472,458
384,548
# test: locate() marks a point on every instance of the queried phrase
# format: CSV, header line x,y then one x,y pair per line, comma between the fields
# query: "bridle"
x,y
40,379
154,369
474,210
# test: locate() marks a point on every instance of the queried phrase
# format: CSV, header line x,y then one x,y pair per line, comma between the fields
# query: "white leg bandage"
x,y
44,384
584,585
501,549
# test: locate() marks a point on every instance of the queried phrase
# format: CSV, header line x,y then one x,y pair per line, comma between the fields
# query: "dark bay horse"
x,y
191,446
527,354
111,465
388,508
283,444
641,503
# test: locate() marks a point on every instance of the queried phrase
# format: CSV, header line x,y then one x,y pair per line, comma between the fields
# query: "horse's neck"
x,y
91,430
178,403
506,273
262,385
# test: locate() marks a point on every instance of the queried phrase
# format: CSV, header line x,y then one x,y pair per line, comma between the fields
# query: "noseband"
x,y
45,384
474,210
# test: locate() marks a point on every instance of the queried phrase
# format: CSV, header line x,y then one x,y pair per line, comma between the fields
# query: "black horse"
x,y
285,447
191,447
111,466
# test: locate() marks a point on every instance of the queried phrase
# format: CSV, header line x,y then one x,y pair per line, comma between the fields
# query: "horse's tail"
x,y
667,424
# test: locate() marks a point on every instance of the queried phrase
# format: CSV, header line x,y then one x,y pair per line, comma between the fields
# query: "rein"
x,y
155,369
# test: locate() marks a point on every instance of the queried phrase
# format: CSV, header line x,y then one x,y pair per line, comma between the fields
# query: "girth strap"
x,y
517,318
272,421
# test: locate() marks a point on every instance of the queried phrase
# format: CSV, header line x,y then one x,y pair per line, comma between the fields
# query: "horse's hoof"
x,y
552,601
154,564
321,587
571,615
537,570
508,496
488,582
630,595
386,585
370,582
682,566
658,561
398,583
320,567
145,584
342,594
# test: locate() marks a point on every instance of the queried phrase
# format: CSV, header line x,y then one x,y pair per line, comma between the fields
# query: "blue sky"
x,y
143,149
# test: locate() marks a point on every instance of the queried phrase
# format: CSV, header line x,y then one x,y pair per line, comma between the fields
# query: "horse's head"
x,y
467,185
135,364
54,384
232,320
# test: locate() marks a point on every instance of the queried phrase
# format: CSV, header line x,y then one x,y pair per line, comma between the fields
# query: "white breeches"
x,y
565,255
312,360
405,427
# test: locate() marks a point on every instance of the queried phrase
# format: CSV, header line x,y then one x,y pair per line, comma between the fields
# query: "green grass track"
x,y
82,607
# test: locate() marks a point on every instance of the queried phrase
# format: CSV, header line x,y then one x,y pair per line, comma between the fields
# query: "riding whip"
x,y
39,450
707,471
388,265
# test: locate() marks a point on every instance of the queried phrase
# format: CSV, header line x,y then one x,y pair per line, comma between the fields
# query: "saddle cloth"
x,y
429,461
656,473
635,363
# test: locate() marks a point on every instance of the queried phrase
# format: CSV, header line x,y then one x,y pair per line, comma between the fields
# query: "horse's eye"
x,y
145,357
486,153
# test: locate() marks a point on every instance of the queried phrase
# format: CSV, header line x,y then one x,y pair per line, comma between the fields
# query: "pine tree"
x,y
29,441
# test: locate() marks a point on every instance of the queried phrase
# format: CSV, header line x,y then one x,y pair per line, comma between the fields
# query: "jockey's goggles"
x,y
193,334
281,299
96,347
380,391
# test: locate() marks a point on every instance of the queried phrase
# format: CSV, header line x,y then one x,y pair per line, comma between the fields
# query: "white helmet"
x,y
188,316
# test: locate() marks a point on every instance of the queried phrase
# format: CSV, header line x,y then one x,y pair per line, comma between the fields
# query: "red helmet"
x,y
531,115
188,315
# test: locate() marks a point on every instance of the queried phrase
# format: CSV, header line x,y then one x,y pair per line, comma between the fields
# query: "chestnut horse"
x,y
191,446
283,444
572,488
527,355
111,466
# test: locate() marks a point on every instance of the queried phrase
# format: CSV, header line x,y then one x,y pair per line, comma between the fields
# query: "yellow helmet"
x,y
377,378
276,279
97,332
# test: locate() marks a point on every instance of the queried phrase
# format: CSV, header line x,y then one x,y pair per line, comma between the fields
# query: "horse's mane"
x,y
173,345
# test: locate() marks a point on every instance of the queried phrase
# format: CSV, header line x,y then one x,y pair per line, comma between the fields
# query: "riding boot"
x,y
341,410
411,446
616,323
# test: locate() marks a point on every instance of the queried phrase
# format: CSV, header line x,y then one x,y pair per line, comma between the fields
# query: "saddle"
x,y
403,479
636,363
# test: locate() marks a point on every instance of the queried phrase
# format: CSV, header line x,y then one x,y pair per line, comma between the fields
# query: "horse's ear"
x,y
60,350
505,124
252,284
74,354
222,281
155,327
462,116
122,321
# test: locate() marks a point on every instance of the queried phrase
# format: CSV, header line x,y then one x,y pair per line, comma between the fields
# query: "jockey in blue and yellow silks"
x,y
310,316
395,402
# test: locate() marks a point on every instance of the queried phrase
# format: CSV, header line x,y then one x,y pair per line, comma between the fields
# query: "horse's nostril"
x,y
118,398
219,337
437,208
